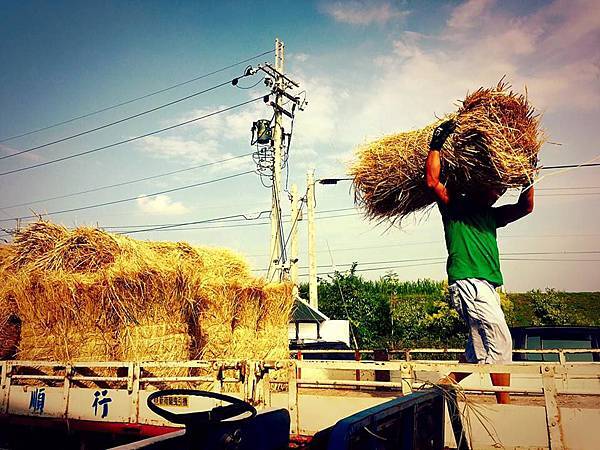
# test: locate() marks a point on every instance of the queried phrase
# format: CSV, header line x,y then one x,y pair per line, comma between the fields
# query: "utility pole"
x,y
295,218
270,139
275,250
312,253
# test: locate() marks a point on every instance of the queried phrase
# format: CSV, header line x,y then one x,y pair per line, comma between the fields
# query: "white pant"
x,y
478,303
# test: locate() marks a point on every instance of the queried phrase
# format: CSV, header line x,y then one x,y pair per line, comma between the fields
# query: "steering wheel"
x,y
216,415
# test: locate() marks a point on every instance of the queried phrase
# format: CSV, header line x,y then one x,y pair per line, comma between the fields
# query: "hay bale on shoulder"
x,y
495,144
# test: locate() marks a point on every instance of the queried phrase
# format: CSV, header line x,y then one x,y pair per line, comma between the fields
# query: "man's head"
x,y
490,195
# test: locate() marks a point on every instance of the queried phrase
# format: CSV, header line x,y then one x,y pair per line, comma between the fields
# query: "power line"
x,y
396,261
568,188
160,226
550,259
293,229
564,166
125,183
570,166
369,269
128,199
87,152
196,222
404,244
237,225
119,227
214,227
246,216
443,259
126,102
569,194
169,226
381,268
116,122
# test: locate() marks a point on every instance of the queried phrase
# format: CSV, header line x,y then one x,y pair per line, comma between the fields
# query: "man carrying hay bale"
x,y
473,267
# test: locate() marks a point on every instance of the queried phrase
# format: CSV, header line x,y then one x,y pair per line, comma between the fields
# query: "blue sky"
x,y
369,68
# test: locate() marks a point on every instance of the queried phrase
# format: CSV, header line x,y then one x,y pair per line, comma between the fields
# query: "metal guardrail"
x,y
407,353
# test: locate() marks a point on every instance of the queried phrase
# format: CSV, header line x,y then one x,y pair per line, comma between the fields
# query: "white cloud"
x,y
179,148
468,14
299,57
216,138
362,12
161,204
423,75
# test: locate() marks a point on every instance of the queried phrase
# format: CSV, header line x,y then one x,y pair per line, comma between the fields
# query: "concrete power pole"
x,y
312,253
275,265
294,219
269,153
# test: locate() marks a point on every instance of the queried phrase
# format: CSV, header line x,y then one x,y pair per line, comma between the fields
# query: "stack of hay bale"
x,y
9,324
88,295
495,144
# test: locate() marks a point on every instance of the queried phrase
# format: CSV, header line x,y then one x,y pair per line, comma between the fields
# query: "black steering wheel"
x,y
215,415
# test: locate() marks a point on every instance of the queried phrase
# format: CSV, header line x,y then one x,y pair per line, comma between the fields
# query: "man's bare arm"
x,y
433,166
509,213
432,175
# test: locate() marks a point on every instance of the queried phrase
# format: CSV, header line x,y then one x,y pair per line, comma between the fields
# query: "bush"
x,y
509,309
548,308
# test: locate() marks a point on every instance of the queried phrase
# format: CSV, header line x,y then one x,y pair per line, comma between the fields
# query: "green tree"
x,y
548,308
347,296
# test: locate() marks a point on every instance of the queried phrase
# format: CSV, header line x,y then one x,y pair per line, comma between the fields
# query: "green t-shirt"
x,y
471,242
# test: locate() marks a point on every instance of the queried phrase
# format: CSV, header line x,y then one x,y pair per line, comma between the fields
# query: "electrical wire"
x,y
97,149
126,183
116,122
295,221
239,225
126,102
563,166
405,244
251,86
246,216
503,257
161,225
292,228
279,231
128,199
570,166
196,222
442,261
568,188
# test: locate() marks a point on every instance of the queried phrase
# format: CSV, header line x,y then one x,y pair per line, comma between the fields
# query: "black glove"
x,y
441,133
